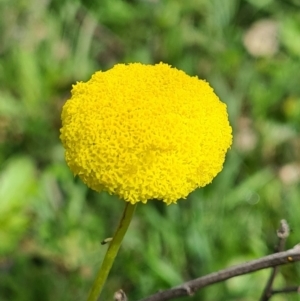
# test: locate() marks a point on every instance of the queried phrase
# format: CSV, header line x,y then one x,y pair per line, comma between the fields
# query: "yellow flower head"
x,y
145,132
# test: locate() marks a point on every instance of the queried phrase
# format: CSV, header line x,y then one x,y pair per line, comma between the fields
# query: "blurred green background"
x,y
51,225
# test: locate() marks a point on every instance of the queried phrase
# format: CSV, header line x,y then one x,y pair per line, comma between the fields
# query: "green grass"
x,y
51,225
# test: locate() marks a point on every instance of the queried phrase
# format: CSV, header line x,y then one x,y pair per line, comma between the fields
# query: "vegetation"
x,y
51,225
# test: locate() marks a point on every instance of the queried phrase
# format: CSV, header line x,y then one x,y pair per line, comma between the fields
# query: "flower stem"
x,y
111,253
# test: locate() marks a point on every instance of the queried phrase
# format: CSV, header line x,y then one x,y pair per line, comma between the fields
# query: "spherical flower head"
x,y
145,132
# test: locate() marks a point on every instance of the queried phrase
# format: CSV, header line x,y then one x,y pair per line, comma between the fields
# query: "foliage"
x,y
51,225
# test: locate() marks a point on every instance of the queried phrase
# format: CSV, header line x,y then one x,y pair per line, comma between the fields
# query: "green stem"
x,y
111,253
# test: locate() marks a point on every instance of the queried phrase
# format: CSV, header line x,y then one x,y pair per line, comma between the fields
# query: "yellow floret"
x,y
145,132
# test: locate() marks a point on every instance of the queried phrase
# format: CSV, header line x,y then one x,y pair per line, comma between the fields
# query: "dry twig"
x,y
282,234
192,286
291,289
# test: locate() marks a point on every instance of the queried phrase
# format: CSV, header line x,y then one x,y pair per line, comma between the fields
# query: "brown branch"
x,y
282,234
291,289
188,288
